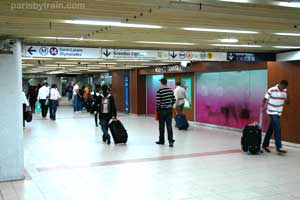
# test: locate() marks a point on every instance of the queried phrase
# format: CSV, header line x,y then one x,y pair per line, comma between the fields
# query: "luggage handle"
x,y
260,117
259,124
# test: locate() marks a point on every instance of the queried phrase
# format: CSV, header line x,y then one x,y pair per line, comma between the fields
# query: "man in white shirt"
x,y
181,97
54,97
42,97
76,97
275,99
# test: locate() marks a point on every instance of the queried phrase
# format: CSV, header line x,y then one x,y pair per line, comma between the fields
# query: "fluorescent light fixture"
x,y
286,47
237,45
72,73
171,43
96,70
56,72
219,30
27,64
68,63
109,23
237,1
84,59
73,38
57,65
229,40
127,60
96,65
287,34
31,58
287,4
106,64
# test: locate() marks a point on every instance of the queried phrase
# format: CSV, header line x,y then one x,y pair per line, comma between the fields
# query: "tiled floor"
x,y
66,160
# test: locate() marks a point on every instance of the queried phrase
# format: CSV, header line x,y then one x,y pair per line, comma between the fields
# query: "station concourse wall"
x,y
260,76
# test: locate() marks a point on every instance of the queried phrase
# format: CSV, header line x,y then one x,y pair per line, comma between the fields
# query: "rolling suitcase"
x,y
118,132
251,139
181,122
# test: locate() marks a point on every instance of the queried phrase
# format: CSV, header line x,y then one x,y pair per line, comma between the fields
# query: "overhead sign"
x,y
172,68
251,57
135,54
197,56
61,52
138,54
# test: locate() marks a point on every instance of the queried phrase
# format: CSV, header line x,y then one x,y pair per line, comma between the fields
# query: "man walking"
x,y
76,97
43,95
165,100
275,99
180,95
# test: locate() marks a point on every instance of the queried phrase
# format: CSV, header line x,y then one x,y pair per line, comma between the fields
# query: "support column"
x,y
137,93
52,79
11,114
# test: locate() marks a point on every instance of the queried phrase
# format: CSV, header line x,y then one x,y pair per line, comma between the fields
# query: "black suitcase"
x,y
251,139
181,122
118,132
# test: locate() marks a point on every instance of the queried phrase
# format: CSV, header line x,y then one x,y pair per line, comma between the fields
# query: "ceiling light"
x,y
237,45
288,34
123,60
31,58
108,23
72,38
84,59
219,30
287,4
100,65
73,63
27,64
171,43
229,40
107,64
237,1
96,70
286,47
57,65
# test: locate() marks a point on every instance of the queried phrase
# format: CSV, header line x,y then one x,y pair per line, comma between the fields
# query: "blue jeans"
x,y
104,127
273,127
53,108
76,103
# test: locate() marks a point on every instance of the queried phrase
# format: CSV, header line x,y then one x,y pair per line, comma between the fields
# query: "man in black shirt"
x,y
107,111
165,100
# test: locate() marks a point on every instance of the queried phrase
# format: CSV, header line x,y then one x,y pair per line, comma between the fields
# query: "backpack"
x,y
105,104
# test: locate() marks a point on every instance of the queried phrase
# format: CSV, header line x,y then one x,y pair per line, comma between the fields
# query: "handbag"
x,y
156,116
47,102
28,114
38,108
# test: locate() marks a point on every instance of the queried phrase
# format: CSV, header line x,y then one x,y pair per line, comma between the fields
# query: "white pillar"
x,y
11,114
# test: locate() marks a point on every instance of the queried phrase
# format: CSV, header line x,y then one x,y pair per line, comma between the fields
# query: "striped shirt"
x,y
276,99
165,99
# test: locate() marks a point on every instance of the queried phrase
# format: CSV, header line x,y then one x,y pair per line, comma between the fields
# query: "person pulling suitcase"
x,y
107,111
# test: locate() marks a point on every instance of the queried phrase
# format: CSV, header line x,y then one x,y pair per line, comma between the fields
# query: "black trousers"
x,y
165,118
44,107
96,114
